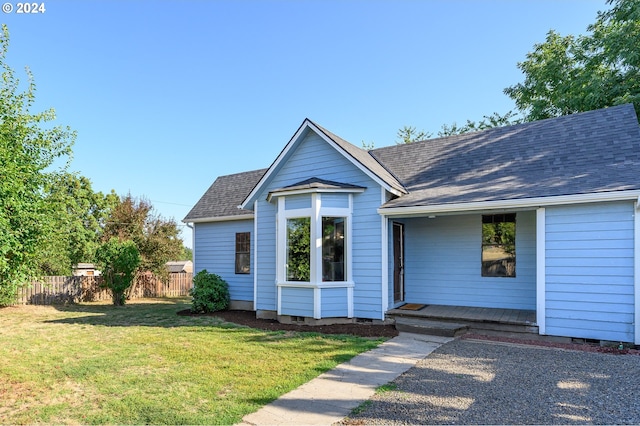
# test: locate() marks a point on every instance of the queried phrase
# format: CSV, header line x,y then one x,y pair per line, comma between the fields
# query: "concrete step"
x,y
433,328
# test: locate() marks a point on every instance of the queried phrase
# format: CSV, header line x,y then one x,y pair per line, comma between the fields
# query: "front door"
x,y
398,262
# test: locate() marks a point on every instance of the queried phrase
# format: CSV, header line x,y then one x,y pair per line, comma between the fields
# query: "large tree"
x,y
569,74
157,238
487,122
80,214
30,153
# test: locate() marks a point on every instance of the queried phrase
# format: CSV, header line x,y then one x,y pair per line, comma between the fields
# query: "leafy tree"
x,y
487,122
568,74
187,254
80,214
156,238
408,134
118,261
368,146
30,153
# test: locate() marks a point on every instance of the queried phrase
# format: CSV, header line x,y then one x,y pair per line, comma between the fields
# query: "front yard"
x,y
142,363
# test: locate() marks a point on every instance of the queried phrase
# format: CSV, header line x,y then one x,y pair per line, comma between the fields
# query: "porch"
x,y
456,320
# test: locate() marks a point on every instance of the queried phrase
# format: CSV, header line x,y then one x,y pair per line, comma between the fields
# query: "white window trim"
x,y
316,212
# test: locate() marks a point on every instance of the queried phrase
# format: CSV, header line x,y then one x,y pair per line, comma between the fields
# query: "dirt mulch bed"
x,y
248,318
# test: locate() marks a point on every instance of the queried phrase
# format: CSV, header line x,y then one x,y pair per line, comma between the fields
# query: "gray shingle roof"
x,y
225,195
590,152
318,183
365,159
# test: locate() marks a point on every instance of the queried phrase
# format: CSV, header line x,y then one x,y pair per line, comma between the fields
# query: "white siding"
x,y
215,248
590,271
443,264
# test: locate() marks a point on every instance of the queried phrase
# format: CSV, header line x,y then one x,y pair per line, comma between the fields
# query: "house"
x,y
539,216
179,266
85,270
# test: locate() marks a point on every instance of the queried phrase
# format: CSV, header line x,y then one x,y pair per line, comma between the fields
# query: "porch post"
x,y
541,279
384,267
636,271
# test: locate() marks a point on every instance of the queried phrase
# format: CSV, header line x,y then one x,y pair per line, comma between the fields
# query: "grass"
x,y
142,363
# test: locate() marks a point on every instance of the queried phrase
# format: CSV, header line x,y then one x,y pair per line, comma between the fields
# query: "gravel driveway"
x,y
477,382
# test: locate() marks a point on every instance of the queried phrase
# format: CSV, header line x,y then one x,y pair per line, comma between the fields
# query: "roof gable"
x,y
357,156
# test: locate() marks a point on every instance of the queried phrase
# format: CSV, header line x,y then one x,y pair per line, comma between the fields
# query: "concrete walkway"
x,y
331,396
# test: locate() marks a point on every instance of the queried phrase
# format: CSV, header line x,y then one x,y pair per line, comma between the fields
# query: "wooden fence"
x,y
59,290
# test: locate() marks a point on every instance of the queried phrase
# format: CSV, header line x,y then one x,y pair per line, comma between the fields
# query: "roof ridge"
x,y
510,126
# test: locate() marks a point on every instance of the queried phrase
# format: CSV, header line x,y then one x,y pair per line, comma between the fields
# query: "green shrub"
x,y
118,261
210,293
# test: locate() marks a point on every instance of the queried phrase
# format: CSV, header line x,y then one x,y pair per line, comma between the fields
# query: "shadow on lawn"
x,y
175,313
149,313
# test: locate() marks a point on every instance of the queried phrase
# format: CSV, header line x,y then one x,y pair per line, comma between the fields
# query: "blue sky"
x,y
168,95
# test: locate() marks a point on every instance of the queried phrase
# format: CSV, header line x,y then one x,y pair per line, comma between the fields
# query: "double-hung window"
x,y
243,252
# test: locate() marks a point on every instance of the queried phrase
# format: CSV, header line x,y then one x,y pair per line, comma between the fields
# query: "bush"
x,y
210,293
118,261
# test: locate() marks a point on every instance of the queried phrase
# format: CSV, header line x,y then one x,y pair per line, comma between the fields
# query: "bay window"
x,y
314,240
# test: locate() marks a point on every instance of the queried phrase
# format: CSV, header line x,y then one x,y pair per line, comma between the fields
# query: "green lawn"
x,y
142,363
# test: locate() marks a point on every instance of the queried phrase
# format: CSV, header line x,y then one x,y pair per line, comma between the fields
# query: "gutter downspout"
x,y
193,243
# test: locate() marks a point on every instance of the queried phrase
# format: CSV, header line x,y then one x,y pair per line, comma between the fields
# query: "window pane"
x,y
242,263
499,245
298,249
243,242
333,249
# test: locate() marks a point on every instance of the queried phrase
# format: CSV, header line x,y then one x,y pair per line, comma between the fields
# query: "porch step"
x,y
433,328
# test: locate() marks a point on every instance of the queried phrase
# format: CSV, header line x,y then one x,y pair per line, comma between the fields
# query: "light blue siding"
x,y
293,202
590,271
315,158
335,200
334,303
215,248
443,264
266,251
297,301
